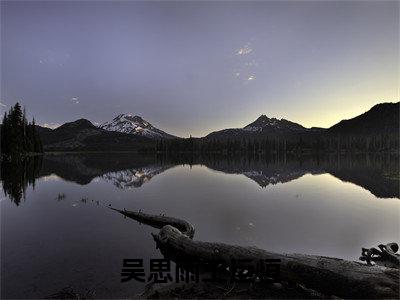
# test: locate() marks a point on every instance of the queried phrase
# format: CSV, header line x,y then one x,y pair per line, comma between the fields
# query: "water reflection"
x,y
133,178
17,175
50,241
378,174
83,168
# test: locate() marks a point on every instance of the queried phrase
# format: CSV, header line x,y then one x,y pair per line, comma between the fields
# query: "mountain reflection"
x,y
134,178
83,168
378,174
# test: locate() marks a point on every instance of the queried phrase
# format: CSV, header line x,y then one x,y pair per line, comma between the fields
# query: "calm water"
x,y
329,206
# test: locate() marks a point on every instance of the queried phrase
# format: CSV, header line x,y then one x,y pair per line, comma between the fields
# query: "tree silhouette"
x,y
18,137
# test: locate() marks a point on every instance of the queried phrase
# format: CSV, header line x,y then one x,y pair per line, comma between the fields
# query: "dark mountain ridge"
x,y
263,127
82,135
381,118
374,130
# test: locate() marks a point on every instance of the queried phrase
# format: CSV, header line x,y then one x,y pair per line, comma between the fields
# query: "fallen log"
x,y
327,275
159,221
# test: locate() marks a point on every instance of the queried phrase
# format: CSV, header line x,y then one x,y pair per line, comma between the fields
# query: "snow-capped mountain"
x,y
127,123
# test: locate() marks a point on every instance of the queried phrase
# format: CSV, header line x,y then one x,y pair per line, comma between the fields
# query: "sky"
x,y
190,68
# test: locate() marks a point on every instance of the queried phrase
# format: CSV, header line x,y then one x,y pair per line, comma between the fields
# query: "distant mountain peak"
x,y
262,126
265,123
134,124
83,121
129,116
78,123
262,117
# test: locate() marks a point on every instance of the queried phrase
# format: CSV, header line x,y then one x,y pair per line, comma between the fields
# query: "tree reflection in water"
x,y
378,174
17,174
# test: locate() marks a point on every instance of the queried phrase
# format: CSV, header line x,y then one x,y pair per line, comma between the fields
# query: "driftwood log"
x,y
327,275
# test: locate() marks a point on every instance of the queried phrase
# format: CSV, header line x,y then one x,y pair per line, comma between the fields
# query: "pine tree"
x,y
17,136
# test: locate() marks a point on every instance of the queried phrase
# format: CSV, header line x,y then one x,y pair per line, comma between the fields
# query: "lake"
x,y
57,230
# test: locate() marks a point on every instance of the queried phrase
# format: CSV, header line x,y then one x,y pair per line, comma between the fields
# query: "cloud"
x,y
252,63
245,63
56,58
2,104
75,100
246,49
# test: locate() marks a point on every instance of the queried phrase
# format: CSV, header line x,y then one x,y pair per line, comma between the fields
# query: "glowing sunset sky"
x,y
192,68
